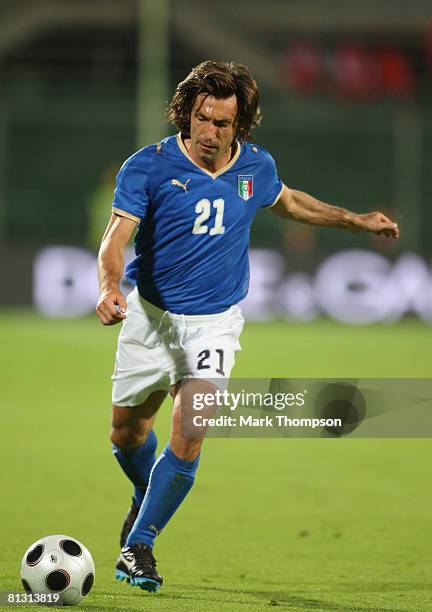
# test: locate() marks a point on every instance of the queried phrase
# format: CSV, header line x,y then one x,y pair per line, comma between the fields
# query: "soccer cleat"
x,y
128,522
137,565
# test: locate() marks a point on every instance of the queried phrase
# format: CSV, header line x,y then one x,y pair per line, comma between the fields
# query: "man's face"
x,y
212,128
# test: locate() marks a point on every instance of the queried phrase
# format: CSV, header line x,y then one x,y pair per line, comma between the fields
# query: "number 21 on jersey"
x,y
203,210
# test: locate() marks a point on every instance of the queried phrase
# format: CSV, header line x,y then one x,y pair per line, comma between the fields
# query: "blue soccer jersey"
x,y
193,235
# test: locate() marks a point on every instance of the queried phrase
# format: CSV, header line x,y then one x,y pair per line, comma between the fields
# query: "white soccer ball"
x,y
58,564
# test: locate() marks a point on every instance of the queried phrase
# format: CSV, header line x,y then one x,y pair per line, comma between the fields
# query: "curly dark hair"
x,y
221,80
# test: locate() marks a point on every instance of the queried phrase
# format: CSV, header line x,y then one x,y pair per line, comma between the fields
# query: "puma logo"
x,y
178,184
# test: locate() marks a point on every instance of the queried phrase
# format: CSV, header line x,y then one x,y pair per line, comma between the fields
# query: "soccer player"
x,y
193,198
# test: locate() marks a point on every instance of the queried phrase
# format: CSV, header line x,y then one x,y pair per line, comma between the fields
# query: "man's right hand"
x,y
111,307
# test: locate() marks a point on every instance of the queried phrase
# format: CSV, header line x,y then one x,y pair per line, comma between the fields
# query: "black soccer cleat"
x,y
128,522
137,565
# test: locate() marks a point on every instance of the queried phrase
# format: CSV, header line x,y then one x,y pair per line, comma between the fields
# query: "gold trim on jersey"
x,y
122,213
214,175
277,197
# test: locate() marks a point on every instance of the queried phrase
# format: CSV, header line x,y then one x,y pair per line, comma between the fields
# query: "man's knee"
x,y
131,426
127,437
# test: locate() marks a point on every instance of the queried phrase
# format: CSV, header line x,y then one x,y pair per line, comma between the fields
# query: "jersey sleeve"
x,y
274,185
131,195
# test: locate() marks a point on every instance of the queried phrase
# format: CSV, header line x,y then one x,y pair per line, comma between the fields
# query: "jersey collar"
x,y
214,175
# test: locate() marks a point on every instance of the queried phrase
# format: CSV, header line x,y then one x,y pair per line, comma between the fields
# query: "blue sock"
x,y
137,464
170,481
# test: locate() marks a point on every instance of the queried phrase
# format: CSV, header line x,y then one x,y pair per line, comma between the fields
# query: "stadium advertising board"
x,y
351,286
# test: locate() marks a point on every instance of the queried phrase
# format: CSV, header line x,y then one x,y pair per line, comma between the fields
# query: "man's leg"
x,y
171,478
134,446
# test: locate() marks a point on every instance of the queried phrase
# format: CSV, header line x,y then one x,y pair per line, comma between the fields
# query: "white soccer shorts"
x,y
157,349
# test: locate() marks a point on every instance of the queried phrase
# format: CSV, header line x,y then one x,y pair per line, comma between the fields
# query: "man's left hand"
x,y
377,223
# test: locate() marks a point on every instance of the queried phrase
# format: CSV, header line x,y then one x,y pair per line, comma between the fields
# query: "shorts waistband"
x,y
158,313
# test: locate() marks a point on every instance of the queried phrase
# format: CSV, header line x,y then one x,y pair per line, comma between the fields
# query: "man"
x,y
193,197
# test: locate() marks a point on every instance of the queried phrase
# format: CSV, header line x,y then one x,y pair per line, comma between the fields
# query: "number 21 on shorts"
x,y
206,356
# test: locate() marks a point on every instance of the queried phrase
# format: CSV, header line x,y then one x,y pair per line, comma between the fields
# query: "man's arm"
x,y
111,268
302,207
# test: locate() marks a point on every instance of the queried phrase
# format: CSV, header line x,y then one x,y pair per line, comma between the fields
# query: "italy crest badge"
x,y
245,186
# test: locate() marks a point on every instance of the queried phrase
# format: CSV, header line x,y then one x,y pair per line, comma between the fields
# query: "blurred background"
x,y
346,96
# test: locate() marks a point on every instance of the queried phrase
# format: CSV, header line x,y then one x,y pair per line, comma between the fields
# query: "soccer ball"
x,y
58,564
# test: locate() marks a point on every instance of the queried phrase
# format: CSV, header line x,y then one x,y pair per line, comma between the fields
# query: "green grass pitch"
x,y
284,523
